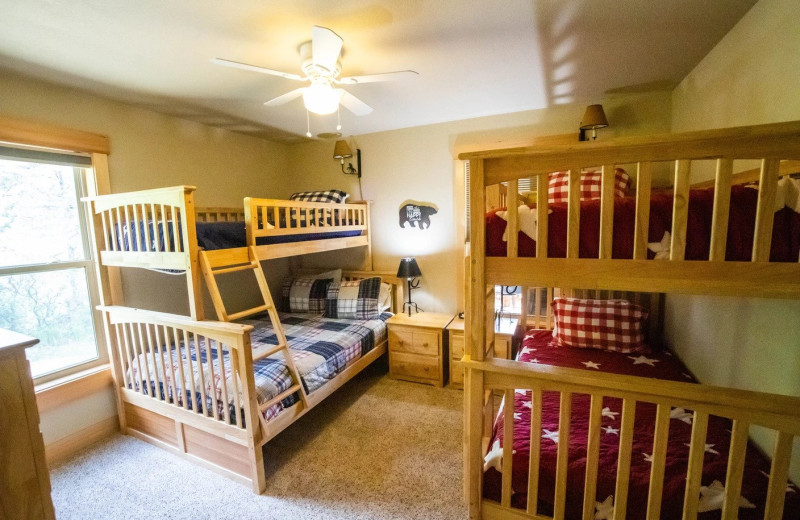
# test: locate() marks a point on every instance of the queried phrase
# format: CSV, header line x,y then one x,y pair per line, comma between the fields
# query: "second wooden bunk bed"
x,y
769,144
156,229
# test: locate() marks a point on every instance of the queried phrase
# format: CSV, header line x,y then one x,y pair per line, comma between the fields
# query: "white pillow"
x,y
385,297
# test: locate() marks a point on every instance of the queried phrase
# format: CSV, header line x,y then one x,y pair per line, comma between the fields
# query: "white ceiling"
x,y
474,57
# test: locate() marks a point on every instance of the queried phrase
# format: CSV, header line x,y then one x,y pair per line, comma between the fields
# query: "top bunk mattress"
x,y
228,235
741,228
210,236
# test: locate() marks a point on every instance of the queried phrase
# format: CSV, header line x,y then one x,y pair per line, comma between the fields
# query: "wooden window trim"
x,y
20,131
59,392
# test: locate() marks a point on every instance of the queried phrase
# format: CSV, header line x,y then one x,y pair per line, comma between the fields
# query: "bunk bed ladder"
x,y
214,263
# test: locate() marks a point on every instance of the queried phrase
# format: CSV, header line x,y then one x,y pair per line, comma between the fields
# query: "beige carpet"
x,y
375,449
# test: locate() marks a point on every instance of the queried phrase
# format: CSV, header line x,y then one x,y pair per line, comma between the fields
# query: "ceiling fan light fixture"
x,y
321,98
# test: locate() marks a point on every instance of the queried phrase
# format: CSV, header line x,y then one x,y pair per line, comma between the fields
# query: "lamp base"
x,y
410,304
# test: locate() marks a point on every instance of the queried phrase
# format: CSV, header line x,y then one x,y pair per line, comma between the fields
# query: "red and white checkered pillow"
x,y
615,325
558,185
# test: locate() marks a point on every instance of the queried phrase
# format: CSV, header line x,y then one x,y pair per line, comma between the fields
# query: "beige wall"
x,y
150,150
750,77
419,163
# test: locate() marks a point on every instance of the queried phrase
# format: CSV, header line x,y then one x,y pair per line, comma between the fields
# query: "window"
x,y
508,300
47,283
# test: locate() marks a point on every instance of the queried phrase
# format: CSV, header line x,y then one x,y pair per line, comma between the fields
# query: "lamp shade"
x,y
594,118
408,268
341,150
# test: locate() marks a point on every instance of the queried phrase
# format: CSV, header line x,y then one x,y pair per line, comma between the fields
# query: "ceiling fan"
x,y
321,65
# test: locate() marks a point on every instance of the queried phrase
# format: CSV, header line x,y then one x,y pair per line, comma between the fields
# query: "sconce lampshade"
x,y
342,150
594,118
408,268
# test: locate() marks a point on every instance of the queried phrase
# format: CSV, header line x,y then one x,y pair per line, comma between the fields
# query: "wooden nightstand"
x,y
503,334
417,347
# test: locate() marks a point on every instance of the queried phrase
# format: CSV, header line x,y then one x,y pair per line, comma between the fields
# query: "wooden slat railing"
x,y
743,408
202,368
274,217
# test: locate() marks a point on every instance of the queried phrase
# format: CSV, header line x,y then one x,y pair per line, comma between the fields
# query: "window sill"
x,y
71,388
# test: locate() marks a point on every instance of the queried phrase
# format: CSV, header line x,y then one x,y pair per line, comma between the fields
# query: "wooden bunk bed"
x,y
189,385
525,488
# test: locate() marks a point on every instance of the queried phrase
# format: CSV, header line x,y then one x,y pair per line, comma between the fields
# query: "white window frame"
x,y
85,185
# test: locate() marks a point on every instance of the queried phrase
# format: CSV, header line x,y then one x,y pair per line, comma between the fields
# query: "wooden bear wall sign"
x,y
417,213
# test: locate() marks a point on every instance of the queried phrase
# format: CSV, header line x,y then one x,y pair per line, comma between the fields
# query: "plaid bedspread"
x,y
321,348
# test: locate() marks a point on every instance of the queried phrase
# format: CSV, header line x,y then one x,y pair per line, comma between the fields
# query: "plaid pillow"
x,y
558,186
614,325
305,294
320,196
355,300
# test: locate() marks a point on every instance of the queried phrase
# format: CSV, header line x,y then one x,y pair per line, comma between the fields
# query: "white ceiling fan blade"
x,y
285,98
372,78
353,104
254,68
326,46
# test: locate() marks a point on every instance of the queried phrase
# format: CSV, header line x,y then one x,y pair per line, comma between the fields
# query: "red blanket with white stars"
x,y
539,347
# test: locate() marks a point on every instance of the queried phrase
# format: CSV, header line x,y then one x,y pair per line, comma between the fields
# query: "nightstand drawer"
x,y
456,372
414,342
456,346
414,366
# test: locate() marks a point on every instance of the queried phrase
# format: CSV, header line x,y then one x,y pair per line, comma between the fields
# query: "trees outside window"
x,y
47,287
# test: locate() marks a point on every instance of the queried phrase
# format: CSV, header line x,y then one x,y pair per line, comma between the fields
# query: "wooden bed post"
x,y
475,339
108,278
255,432
369,264
189,232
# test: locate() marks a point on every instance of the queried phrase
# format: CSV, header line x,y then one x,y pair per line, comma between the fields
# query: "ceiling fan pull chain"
x,y
338,118
308,124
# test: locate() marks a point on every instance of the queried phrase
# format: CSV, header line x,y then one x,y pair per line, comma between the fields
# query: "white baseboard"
x,y
64,448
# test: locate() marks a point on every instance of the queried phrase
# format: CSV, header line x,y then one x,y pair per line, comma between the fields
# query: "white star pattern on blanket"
x,y
494,459
604,510
609,429
681,415
528,404
553,436
789,488
591,364
526,350
521,391
661,249
711,498
534,360
648,457
708,449
517,416
608,413
643,360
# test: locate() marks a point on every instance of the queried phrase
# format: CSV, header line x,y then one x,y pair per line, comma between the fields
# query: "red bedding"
x,y
785,233
539,347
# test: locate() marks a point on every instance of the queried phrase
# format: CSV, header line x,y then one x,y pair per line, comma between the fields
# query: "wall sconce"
x,y
409,270
342,151
593,119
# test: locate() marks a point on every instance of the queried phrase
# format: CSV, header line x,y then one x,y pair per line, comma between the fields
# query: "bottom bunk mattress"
x,y
540,347
321,348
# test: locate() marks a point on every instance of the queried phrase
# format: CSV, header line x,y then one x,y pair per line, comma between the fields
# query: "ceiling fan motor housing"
x,y
317,71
